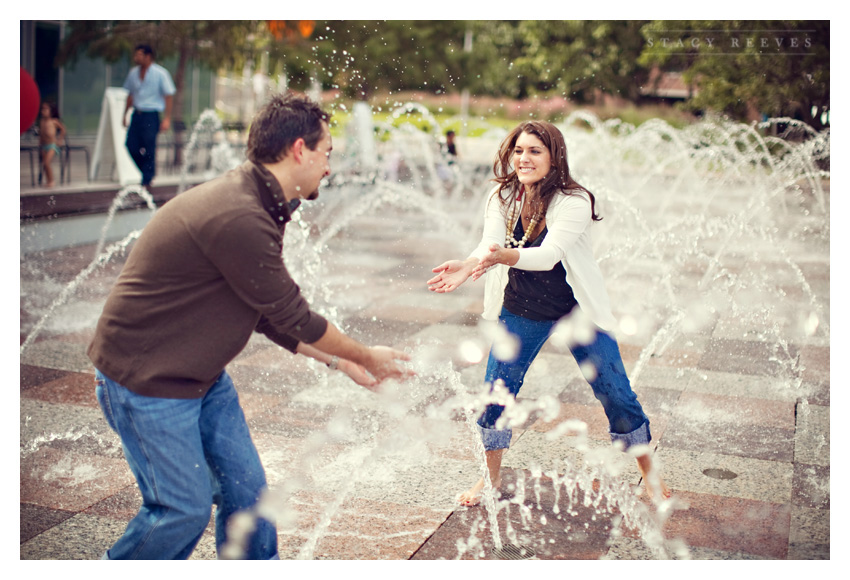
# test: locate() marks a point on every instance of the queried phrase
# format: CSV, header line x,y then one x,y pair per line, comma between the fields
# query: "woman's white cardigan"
x,y
568,240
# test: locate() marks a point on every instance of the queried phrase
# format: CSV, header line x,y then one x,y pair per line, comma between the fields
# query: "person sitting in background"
x,y
451,147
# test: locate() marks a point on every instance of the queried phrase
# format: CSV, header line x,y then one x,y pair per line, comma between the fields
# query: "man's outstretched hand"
x,y
383,364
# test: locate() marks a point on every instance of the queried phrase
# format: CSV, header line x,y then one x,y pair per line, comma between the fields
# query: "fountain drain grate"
x,y
719,473
511,552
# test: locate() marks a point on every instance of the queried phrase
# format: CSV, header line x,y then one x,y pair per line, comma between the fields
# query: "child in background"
x,y
50,135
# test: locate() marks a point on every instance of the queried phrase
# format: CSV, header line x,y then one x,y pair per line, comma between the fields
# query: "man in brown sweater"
x,y
206,272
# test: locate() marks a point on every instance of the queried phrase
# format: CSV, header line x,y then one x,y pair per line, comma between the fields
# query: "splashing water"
x,y
99,261
690,218
116,204
222,156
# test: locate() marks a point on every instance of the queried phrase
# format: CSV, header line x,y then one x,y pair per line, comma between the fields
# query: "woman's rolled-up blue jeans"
x,y
626,419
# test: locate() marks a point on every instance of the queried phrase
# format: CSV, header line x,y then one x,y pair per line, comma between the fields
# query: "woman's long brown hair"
x,y
558,180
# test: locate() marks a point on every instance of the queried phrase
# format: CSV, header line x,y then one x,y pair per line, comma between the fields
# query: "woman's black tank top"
x,y
538,295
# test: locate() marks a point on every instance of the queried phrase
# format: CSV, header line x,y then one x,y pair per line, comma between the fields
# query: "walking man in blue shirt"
x,y
151,92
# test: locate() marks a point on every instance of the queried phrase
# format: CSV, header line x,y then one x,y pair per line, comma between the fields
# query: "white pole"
x,y
464,96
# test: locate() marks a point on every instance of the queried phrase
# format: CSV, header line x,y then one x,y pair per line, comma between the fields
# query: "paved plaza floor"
x,y
739,405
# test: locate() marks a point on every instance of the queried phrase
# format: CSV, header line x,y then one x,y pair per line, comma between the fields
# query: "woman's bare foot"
x,y
472,496
665,491
652,480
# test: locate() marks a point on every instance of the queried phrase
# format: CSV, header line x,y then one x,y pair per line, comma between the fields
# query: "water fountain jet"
x,y
687,219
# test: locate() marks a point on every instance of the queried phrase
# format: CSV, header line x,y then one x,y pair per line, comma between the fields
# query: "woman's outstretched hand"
x,y
497,255
451,274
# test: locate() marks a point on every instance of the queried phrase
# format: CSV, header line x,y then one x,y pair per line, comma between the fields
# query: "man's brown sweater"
x,y
205,273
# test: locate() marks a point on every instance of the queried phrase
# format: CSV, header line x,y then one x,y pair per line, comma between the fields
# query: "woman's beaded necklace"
x,y
510,241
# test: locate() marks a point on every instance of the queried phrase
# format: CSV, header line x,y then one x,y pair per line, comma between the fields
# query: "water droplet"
x,y
588,371
628,325
471,351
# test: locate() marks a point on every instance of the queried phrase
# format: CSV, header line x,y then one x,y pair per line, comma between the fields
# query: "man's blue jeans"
x,y
626,419
141,142
186,455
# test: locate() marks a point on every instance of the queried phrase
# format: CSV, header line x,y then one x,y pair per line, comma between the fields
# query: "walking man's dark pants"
x,y
141,142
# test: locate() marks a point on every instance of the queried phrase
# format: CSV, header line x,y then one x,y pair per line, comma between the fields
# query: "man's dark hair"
x,y
147,49
280,122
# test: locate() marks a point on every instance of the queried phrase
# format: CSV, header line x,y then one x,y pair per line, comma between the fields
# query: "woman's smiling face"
x,y
532,160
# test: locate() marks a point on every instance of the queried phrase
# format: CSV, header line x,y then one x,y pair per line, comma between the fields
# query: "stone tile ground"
x,y
742,439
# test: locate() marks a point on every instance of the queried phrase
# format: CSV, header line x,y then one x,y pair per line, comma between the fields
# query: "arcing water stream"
x,y
707,227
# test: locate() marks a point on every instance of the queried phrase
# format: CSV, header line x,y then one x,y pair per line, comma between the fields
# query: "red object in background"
x,y
30,101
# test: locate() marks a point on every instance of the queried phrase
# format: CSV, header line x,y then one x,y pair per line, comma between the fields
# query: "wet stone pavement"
x,y
357,475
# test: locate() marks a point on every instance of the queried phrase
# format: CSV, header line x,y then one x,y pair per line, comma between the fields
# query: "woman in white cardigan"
x,y
536,245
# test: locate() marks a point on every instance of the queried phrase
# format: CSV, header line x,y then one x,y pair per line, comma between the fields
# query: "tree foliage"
x,y
360,57
580,60
778,68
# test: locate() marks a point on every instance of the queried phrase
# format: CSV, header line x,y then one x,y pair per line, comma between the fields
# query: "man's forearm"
x,y
313,352
334,342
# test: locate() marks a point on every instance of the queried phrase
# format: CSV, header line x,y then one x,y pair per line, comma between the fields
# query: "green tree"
x,y
492,67
583,58
361,56
579,59
778,68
